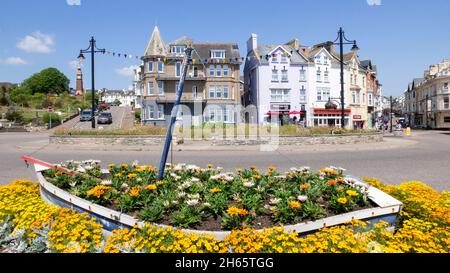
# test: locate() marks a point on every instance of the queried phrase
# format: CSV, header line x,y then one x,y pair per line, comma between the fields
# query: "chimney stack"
x,y
252,43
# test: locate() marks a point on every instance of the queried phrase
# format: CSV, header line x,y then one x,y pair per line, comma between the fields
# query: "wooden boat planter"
x,y
387,210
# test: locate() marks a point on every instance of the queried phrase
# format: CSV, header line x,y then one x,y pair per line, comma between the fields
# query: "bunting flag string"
x,y
172,61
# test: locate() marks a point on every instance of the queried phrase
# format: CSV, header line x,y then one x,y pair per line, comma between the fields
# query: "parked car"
x,y
103,107
86,115
105,118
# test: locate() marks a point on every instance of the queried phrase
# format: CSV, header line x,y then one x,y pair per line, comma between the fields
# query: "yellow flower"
x,y
210,166
352,193
238,170
295,204
342,200
123,165
132,175
160,183
151,187
215,190
271,168
117,175
111,166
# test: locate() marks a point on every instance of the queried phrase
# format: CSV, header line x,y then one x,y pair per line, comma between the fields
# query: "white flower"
x,y
195,179
106,182
192,202
207,204
194,196
305,169
135,163
302,198
81,169
249,184
274,201
124,186
186,184
139,179
181,194
166,203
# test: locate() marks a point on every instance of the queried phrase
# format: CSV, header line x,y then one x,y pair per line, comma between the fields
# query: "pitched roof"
x,y
156,45
264,50
203,51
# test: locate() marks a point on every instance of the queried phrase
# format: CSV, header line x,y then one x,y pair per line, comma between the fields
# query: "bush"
x,y
14,116
54,118
137,115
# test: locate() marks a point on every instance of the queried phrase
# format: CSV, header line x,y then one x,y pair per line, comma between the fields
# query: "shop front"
x,y
329,117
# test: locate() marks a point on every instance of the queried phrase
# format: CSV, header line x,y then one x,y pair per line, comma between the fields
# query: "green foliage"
x,y
20,95
48,81
14,116
152,213
137,115
186,216
313,211
54,118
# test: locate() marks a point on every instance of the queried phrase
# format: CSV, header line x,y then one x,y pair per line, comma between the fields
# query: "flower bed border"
x,y
388,211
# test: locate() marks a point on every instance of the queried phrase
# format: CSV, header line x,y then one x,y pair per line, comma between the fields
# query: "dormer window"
x,y
284,58
177,49
274,58
325,60
218,54
317,59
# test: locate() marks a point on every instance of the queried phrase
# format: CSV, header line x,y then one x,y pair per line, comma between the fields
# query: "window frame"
x,y
215,51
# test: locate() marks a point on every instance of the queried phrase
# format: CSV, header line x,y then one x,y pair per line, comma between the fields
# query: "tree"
x,y
49,80
20,95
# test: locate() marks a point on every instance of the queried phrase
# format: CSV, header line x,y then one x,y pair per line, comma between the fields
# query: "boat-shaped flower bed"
x,y
208,200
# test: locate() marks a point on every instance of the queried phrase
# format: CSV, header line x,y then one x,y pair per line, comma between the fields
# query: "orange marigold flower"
x,y
271,168
304,186
331,182
233,211
135,191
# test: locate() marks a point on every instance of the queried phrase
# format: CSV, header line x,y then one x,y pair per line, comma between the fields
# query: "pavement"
x,y
122,118
424,156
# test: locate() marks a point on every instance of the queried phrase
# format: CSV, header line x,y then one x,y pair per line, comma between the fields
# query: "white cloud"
x,y
14,61
374,2
127,71
73,2
37,42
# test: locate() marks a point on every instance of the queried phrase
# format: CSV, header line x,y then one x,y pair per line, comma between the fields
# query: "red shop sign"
x,y
357,117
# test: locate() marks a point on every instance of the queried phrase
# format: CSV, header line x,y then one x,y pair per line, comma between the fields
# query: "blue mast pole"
x,y
162,163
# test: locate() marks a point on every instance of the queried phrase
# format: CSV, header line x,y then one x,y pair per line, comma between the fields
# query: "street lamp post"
x,y
343,41
92,49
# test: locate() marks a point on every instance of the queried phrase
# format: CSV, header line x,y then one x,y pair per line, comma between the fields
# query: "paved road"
x,y
122,118
424,157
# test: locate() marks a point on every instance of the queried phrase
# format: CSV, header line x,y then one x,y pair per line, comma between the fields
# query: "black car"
x,y
86,115
105,118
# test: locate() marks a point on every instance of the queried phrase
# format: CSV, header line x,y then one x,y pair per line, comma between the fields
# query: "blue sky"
x,y
402,37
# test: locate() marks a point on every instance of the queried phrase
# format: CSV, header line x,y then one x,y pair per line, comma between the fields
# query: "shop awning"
x,y
321,111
